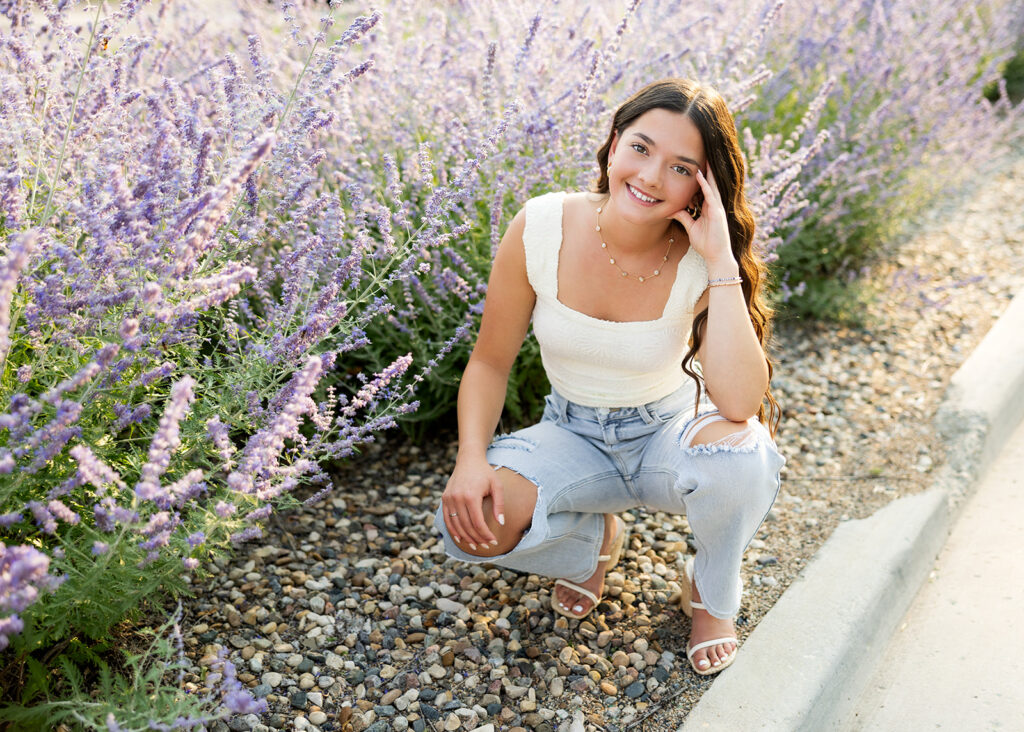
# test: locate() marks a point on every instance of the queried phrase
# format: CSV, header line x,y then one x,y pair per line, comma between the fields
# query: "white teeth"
x,y
641,196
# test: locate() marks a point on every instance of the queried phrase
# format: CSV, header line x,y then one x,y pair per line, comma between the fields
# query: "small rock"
x,y
272,679
242,723
449,606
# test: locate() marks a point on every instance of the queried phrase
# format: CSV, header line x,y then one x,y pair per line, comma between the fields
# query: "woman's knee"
x,y
723,433
520,499
740,464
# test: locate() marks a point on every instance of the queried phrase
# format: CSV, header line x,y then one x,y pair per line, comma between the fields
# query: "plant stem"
x,y
71,117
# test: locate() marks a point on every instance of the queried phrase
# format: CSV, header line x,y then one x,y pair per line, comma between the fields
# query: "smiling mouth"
x,y
641,196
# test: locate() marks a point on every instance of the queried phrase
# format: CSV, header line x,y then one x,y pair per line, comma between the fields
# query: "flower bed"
x,y
232,254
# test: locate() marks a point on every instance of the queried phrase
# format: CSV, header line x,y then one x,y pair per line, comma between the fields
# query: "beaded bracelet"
x,y
726,281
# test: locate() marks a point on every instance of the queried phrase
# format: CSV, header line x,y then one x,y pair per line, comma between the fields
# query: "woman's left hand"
x,y
709,234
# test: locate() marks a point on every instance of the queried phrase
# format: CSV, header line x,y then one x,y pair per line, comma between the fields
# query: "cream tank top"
x,y
603,363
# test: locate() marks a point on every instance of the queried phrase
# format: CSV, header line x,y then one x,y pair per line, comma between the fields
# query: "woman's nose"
x,y
649,175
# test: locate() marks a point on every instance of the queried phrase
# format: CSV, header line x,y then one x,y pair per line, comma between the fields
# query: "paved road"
x,y
957,661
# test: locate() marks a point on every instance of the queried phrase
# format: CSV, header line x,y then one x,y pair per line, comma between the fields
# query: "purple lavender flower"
x,y
186,488
262,450
23,574
186,258
44,519
128,328
59,510
252,532
166,440
18,252
366,396
72,383
94,471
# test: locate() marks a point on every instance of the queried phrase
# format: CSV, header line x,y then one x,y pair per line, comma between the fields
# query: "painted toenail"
x,y
578,609
717,663
703,663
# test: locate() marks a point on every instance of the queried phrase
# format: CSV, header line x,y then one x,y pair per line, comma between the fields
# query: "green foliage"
x,y
1013,73
92,683
527,387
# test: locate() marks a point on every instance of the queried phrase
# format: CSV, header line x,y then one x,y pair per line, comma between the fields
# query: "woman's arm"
x,y
506,318
731,357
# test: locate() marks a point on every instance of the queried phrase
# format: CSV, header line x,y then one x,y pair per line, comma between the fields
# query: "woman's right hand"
x,y
462,503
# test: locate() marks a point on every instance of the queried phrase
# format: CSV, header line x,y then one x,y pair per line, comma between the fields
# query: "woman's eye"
x,y
682,170
639,148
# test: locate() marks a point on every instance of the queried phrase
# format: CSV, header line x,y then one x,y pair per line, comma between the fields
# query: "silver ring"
x,y
453,515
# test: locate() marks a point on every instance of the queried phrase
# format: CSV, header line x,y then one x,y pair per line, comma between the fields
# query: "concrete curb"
x,y
806,663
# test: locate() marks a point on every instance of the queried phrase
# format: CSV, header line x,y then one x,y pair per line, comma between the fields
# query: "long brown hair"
x,y
708,111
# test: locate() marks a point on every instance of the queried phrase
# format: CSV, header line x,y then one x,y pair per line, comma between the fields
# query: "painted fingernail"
x,y
472,546
457,540
494,542
501,519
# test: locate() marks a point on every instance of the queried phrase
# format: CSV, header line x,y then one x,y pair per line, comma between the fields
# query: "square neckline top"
x,y
689,262
598,362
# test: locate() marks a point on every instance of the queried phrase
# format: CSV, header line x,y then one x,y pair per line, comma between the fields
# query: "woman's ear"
x,y
614,145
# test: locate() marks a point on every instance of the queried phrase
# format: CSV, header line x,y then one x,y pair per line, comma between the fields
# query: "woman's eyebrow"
x,y
651,142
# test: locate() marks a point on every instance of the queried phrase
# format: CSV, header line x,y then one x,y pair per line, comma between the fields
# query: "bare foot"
x,y
579,604
706,627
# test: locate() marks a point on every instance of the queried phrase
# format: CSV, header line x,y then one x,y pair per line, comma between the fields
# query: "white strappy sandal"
x,y
687,604
612,558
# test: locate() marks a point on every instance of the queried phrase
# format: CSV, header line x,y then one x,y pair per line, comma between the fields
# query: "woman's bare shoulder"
x,y
582,199
579,206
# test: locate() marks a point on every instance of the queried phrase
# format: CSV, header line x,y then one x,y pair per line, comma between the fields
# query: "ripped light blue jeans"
x,y
589,461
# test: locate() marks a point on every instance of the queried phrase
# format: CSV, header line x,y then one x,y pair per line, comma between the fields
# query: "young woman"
x,y
626,286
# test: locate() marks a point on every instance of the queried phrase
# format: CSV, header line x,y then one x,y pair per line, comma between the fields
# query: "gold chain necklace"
x,y
624,273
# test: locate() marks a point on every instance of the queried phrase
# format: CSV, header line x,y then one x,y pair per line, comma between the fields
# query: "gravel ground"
x,y
346,616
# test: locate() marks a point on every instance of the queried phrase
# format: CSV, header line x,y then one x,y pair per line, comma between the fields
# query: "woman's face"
x,y
654,163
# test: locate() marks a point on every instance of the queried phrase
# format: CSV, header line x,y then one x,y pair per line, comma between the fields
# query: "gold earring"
x,y
694,212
